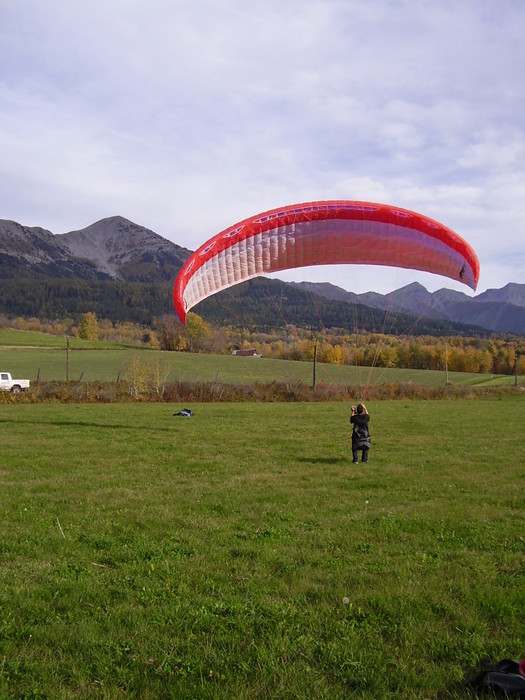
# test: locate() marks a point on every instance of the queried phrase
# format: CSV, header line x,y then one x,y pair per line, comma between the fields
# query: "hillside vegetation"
x,y
258,302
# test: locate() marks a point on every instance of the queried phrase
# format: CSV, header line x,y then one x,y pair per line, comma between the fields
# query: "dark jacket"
x,y
360,433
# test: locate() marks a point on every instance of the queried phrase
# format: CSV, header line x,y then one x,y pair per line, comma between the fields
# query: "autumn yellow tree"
x,y
198,333
88,329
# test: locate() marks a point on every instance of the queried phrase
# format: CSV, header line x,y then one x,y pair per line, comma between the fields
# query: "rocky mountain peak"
x,y
31,243
113,242
113,247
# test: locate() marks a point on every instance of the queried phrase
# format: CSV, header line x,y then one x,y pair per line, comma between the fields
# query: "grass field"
x,y
240,554
32,355
15,338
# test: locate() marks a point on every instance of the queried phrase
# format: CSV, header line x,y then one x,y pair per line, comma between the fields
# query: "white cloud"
x,y
494,150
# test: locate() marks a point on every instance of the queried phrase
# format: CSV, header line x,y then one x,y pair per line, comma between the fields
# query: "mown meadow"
x,y
240,554
42,357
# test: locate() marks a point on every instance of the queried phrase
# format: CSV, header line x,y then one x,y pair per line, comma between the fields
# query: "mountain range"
x,y
497,310
116,250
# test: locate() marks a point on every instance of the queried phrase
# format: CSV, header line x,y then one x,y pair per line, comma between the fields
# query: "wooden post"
x,y
67,359
315,365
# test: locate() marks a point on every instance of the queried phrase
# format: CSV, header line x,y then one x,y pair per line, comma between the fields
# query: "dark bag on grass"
x,y
504,677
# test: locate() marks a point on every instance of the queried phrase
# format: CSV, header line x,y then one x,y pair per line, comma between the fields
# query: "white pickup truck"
x,y
15,386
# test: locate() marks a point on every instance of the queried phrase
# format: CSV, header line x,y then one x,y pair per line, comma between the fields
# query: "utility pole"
x,y
67,358
446,363
315,365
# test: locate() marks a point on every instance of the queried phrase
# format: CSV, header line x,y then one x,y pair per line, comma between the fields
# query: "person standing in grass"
x,y
360,433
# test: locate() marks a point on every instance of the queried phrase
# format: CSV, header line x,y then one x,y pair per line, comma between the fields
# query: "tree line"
x,y
494,354
262,303
62,298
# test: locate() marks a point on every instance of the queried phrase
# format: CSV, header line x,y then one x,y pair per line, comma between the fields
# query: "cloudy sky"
x,y
187,116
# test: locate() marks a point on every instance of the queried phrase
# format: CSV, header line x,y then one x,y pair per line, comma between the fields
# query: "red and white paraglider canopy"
x,y
323,233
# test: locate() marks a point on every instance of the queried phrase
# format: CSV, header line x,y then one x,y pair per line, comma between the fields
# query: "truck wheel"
x,y
15,389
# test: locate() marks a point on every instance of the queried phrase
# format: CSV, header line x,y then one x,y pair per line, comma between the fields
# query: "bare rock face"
x,y
34,244
111,248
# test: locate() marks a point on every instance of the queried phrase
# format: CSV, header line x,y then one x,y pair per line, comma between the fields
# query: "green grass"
x,y
108,364
14,338
152,556
34,355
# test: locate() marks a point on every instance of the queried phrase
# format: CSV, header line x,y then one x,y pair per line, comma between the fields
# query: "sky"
x,y
187,116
